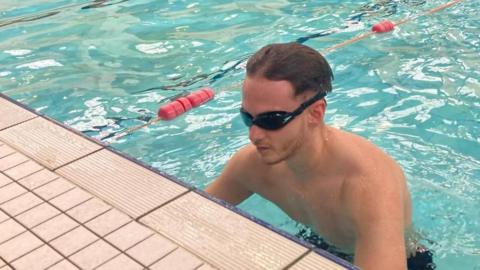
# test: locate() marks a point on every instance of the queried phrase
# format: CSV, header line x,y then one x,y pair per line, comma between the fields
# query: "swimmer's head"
x,y
305,68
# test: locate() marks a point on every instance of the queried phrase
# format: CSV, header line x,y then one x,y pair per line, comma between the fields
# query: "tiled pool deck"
x,y
69,202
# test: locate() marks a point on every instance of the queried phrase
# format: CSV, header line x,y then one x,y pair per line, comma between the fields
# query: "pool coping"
x,y
310,248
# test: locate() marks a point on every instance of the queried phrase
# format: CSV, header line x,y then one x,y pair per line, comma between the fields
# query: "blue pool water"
x,y
103,66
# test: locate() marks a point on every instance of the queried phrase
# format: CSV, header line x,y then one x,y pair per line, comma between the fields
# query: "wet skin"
x,y
338,183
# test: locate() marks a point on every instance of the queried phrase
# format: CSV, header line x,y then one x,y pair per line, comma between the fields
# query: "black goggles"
x,y
278,119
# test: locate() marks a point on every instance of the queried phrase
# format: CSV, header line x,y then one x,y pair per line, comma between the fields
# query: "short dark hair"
x,y
301,65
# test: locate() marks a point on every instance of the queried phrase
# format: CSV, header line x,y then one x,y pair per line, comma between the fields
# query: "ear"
x,y
317,111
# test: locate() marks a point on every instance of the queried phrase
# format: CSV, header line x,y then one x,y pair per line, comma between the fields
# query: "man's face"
x,y
261,95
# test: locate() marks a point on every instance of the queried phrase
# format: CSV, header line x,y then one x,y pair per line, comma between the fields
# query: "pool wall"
x,y
214,232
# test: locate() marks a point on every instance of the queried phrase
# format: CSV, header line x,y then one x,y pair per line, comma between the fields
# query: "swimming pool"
x,y
100,67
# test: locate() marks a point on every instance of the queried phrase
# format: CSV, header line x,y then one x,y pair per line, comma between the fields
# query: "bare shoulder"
x,y
376,203
246,157
374,178
371,171
366,158
244,166
233,184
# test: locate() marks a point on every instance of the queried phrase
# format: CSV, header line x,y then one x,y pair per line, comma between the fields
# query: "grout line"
x,y
161,173
7,154
94,217
25,176
161,205
63,259
41,239
33,250
83,224
298,259
18,214
79,224
63,193
111,259
76,159
11,181
193,251
15,196
37,187
4,170
6,263
54,197
164,256
125,251
3,222
124,225
198,267
19,123
5,241
102,146
49,181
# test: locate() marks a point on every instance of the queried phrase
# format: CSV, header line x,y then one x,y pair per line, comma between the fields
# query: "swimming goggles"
x,y
277,119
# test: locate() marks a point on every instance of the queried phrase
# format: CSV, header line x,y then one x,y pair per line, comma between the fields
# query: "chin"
x,y
270,159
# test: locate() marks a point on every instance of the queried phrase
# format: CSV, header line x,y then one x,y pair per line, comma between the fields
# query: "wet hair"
x,y
305,68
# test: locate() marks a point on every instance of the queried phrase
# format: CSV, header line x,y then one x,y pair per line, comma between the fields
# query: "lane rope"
x,y
180,105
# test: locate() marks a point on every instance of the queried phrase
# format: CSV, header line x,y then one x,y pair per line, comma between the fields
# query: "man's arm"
x,y
230,185
377,209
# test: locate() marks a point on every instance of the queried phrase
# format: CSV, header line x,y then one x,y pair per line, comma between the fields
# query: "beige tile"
x,y
121,262
4,180
180,259
54,188
63,265
9,229
6,267
108,222
88,210
2,263
6,150
71,199
19,246
16,114
314,261
3,216
21,204
38,179
94,255
50,145
151,249
12,161
128,235
55,227
11,191
37,215
213,232
39,259
23,170
125,185
206,267
73,241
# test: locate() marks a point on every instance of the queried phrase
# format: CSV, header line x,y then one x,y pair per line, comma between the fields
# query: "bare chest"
x,y
316,204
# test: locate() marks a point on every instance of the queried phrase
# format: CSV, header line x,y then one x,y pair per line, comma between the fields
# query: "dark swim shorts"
x,y
423,259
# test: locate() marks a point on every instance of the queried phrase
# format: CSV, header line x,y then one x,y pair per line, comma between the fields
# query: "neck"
x,y
312,158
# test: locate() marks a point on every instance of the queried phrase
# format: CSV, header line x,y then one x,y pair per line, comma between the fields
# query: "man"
x,y
340,185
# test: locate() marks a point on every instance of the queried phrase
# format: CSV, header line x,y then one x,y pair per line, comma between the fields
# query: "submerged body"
x,y
322,201
337,183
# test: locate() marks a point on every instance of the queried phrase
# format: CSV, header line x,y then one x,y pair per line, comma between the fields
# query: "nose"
x,y
255,134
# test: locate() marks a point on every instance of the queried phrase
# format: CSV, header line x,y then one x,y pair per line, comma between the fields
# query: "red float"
x,y
177,107
383,27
